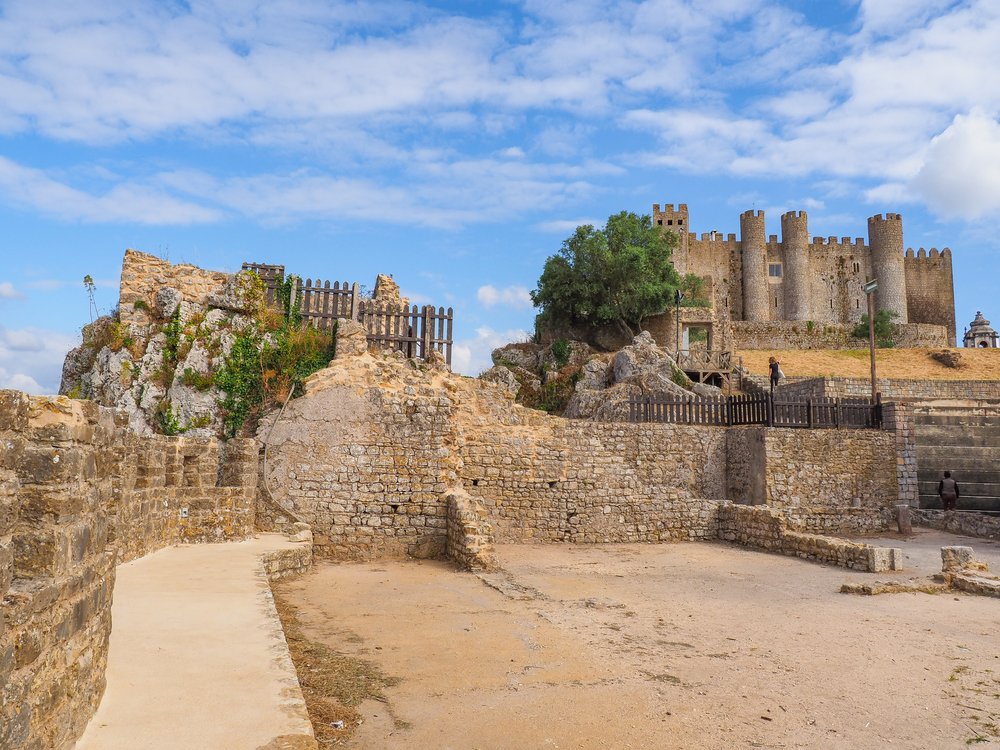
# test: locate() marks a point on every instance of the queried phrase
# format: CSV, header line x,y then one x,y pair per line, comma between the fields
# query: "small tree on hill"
x,y
617,275
885,329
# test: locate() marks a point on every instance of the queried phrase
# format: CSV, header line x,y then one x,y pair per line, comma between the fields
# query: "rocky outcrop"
x,y
641,369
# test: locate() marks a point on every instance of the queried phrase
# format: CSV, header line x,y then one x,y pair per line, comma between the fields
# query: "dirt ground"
x,y
659,646
977,364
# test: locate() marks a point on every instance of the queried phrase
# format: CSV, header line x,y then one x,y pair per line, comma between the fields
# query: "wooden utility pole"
x,y
870,288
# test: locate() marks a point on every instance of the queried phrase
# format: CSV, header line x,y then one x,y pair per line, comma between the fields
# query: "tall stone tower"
x,y
675,220
754,248
795,242
885,238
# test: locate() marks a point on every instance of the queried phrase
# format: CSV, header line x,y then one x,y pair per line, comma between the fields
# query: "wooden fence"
x,y
415,331
758,409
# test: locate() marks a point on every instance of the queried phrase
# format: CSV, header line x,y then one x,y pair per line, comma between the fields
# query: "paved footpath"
x,y
197,657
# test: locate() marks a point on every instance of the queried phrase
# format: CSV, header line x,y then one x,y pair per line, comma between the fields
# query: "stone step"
x,y
931,466
964,503
969,439
986,454
971,488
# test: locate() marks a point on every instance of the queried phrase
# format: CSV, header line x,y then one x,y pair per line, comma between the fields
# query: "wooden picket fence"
x,y
415,331
759,409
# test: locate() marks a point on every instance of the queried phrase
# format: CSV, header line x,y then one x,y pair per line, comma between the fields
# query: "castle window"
x,y
857,304
775,301
670,222
774,270
831,304
857,267
680,221
660,222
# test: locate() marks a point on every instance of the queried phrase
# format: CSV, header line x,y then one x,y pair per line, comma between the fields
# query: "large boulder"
x,y
524,355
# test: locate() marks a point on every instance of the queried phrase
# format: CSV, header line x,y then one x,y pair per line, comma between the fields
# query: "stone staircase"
x,y
966,442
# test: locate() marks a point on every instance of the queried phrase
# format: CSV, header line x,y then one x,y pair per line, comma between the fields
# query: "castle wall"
x,y
896,389
781,334
797,275
930,293
754,258
885,238
78,495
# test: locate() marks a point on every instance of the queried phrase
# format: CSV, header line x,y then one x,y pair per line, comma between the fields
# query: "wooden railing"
x,y
415,331
758,409
704,360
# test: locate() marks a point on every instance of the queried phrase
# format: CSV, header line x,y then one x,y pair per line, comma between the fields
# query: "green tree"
x,y
885,329
617,275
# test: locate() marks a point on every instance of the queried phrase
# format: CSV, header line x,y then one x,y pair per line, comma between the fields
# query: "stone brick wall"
x,y
77,495
470,536
577,481
56,571
143,275
964,522
767,529
896,389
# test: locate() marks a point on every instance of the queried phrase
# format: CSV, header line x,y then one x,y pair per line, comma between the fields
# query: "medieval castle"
x,y
759,279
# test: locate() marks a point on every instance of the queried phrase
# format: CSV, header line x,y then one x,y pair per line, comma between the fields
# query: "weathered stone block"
x,y
955,558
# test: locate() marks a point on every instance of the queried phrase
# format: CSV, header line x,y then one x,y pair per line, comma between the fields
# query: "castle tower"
x,y
754,251
675,220
885,238
795,243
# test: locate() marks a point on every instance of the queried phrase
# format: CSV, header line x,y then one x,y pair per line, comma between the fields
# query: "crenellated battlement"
x,y
932,254
795,215
751,214
877,218
848,244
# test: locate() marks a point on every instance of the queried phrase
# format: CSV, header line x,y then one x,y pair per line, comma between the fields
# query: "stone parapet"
x,y
79,494
896,389
144,275
767,529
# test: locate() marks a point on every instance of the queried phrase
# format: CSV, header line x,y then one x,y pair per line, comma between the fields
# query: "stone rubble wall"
x,y
143,275
897,418
368,455
470,536
78,494
767,528
966,523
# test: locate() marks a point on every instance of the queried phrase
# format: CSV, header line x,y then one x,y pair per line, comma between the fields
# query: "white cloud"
x,y
31,358
511,296
7,291
960,176
126,202
567,226
472,356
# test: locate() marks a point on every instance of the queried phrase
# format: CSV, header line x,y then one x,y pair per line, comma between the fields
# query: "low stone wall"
x,y
174,489
958,522
767,529
894,389
470,537
77,495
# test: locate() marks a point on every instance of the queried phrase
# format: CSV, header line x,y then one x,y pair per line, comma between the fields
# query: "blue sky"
x,y
455,144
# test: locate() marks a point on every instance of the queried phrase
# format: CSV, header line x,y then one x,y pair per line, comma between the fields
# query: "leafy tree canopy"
x,y
617,275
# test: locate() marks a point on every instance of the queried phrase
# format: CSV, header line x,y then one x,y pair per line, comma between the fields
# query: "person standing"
x,y
775,372
948,492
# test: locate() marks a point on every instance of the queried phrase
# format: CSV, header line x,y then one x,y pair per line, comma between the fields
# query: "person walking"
x,y
775,372
948,492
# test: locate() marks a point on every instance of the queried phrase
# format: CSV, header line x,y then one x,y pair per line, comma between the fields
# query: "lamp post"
x,y
677,318
870,287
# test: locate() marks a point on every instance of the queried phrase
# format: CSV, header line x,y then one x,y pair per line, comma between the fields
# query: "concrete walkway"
x,y
197,656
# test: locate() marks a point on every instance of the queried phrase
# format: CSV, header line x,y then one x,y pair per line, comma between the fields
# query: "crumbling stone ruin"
x,y
382,456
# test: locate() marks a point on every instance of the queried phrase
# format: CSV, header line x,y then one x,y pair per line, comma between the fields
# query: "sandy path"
x,y
669,646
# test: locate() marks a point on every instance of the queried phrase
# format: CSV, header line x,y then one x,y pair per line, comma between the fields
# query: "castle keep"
x,y
761,279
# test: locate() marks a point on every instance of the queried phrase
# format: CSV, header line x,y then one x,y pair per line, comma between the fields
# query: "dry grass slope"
x,y
909,364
